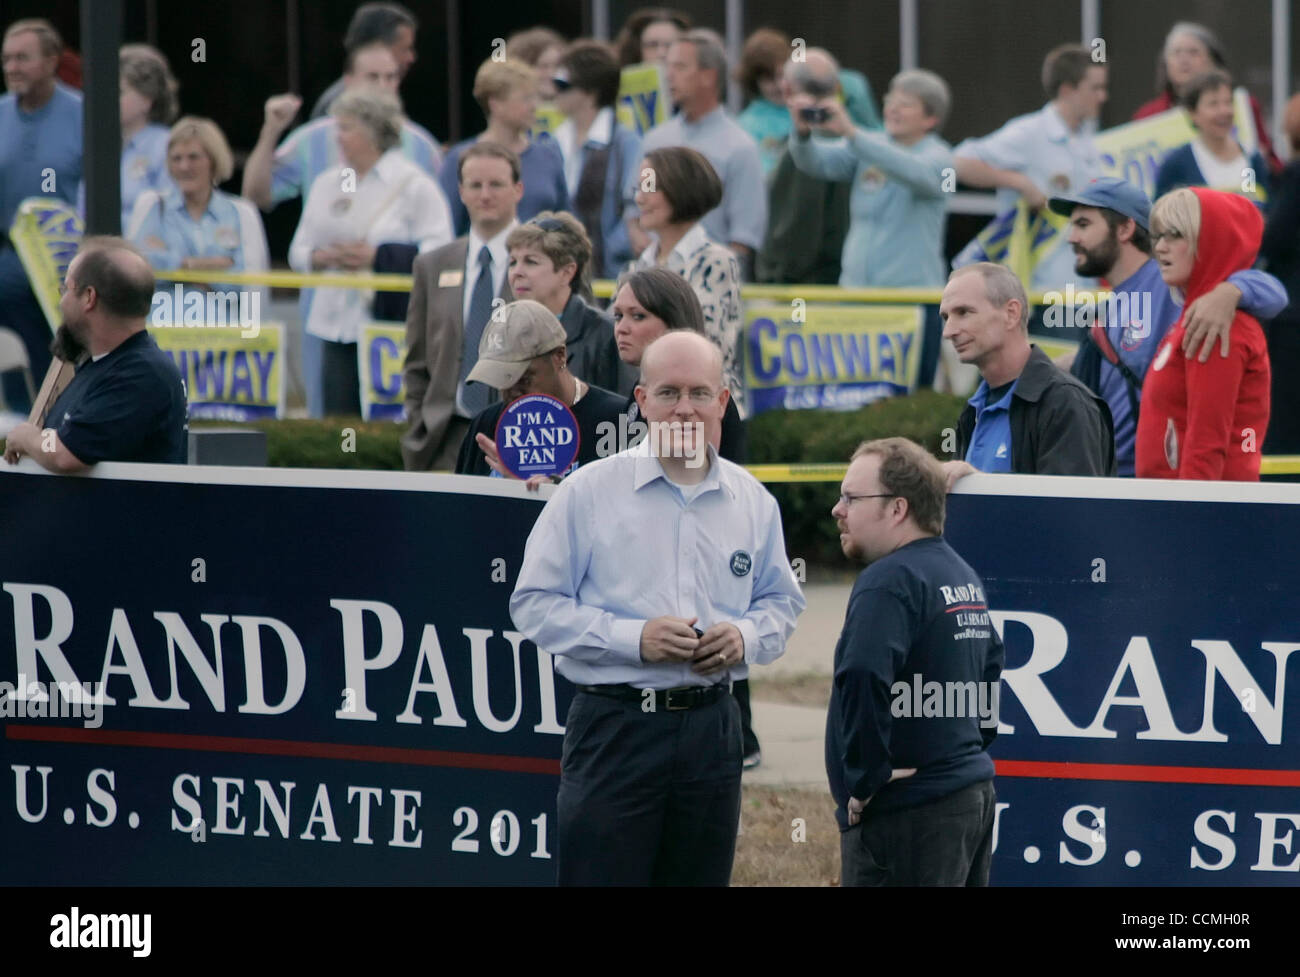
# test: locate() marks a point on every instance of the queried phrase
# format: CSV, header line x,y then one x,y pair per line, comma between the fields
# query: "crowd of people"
x,y
503,234
811,183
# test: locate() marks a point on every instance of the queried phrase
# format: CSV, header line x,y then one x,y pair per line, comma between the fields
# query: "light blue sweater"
x,y
897,207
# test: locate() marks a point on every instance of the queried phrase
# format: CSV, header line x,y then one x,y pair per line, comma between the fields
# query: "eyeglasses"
x,y
549,223
699,396
561,84
847,499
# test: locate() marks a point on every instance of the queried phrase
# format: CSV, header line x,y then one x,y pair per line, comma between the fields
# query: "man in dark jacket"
x,y
1027,416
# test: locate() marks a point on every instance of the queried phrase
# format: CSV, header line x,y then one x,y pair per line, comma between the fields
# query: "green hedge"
x,y
787,437
324,443
777,437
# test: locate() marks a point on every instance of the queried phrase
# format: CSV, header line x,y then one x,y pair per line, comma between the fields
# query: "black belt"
x,y
686,697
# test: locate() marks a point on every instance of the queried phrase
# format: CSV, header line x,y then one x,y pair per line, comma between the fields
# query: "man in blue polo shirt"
x,y
1111,240
1027,416
127,400
40,155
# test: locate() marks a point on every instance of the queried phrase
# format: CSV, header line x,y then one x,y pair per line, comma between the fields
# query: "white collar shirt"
x,y
619,544
395,202
500,264
598,137
1058,159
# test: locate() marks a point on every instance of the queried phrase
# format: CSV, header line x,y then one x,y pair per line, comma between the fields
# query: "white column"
x,y
735,40
1090,14
907,35
1281,70
600,19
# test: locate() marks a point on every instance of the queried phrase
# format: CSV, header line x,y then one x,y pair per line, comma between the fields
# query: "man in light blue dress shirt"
x,y
656,577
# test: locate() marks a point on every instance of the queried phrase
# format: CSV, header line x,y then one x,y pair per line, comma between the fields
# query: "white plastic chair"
x,y
13,356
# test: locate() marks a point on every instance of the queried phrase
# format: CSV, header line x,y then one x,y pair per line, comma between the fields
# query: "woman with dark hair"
x,y
648,34
1190,50
765,116
649,302
679,188
1214,158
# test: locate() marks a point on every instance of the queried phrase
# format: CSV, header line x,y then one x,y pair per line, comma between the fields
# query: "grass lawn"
x,y
772,822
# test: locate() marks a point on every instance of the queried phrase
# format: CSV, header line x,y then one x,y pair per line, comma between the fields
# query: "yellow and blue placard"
x,y
228,377
830,356
46,233
381,358
643,101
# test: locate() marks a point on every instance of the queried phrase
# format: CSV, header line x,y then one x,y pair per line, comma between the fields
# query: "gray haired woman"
x,y
376,197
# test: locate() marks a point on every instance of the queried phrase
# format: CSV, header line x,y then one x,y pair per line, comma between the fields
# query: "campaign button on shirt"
x,y
537,435
741,563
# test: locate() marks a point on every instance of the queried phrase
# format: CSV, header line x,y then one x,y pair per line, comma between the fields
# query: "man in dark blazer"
x,y
455,290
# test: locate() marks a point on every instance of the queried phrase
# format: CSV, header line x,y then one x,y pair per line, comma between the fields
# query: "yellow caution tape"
x,y
602,289
291,279
1269,465
1279,465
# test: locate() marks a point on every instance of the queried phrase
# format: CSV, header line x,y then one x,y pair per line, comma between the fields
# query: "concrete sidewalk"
x,y
792,737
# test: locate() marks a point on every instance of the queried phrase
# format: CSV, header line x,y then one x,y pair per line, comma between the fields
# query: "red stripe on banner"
x,y
965,607
1167,775
294,748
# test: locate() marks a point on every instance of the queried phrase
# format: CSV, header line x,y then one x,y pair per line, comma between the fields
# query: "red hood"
x,y
1231,229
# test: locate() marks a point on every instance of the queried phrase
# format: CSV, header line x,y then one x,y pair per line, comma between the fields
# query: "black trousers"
x,y
741,691
648,798
339,373
945,842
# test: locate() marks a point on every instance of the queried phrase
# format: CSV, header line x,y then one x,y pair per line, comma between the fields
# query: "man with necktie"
x,y
455,291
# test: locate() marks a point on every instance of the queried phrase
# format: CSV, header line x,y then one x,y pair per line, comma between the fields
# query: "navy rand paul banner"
x,y
337,704
810,355
1150,705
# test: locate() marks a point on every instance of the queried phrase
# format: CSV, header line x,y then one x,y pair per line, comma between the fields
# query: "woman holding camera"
x,y
898,205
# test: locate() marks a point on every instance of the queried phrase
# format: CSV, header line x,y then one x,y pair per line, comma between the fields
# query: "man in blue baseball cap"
x,y
1111,240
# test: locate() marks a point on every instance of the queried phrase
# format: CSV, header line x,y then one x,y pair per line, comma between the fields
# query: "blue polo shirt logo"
x,y
990,445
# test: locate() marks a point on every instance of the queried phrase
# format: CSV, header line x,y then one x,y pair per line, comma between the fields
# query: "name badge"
x,y
452,278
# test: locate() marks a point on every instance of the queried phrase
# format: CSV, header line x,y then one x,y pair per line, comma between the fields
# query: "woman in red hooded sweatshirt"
x,y
1205,420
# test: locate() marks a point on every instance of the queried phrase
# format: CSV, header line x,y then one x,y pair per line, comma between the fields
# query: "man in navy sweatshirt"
x,y
917,670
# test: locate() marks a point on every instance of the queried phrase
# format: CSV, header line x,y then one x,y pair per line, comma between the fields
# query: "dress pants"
x,y
339,379
648,798
945,842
